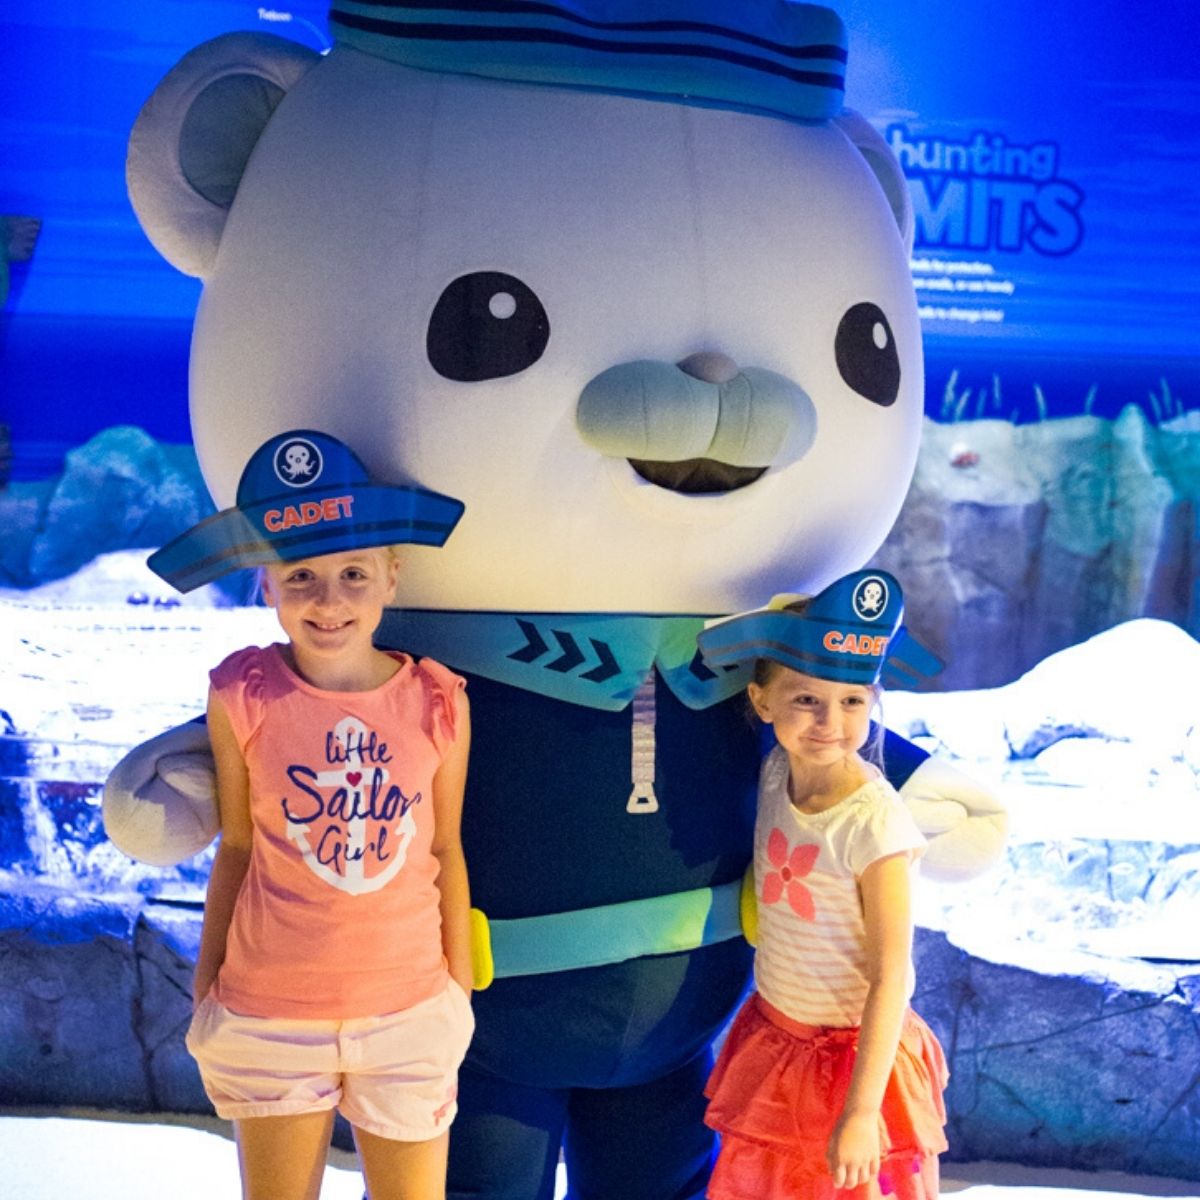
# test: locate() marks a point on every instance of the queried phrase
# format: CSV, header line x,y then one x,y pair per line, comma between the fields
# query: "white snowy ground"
x,y
109,1156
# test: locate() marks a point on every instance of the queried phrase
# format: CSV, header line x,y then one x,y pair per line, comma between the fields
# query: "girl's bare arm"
x,y
233,853
853,1153
448,786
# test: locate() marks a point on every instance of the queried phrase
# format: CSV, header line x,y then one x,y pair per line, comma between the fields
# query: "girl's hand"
x,y
853,1150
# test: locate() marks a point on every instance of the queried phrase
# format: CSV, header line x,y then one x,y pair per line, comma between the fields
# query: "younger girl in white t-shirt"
x,y
828,1084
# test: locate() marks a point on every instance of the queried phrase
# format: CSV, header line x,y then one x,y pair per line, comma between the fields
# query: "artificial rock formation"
x,y
1016,541
120,489
1066,1060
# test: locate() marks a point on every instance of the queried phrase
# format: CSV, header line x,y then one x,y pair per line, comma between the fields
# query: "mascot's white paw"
x,y
160,802
965,823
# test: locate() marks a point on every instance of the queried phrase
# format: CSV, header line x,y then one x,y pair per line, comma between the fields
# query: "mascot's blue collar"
x,y
597,660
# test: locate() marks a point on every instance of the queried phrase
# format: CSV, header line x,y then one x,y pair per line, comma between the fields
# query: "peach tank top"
x,y
338,914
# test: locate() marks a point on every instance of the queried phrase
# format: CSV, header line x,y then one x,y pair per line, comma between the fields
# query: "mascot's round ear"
x,y
870,144
193,138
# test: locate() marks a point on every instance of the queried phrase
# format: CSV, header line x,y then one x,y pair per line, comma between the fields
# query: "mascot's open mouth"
x,y
696,476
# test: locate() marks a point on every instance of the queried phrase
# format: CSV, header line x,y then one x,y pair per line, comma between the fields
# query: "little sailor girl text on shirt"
x,y
353,826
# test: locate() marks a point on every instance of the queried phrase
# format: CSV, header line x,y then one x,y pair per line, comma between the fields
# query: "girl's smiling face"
x,y
331,605
818,722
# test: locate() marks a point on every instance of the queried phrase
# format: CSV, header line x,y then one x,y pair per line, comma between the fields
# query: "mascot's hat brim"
x,y
302,494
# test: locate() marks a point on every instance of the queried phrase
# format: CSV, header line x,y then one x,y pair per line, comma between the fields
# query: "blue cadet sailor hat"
x,y
772,56
845,634
304,493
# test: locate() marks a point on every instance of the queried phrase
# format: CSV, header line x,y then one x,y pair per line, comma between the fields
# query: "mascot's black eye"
x,y
485,326
866,354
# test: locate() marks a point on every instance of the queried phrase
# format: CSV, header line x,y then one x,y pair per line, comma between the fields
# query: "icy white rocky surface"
x,y
119,578
90,666
111,655
1096,752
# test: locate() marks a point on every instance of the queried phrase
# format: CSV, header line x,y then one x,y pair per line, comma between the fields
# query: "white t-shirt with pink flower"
x,y
812,953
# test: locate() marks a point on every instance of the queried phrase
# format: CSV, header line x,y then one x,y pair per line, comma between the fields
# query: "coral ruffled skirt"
x,y
777,1091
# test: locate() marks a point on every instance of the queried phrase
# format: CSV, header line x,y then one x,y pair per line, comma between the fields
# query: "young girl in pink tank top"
x,y
334,969
828,1086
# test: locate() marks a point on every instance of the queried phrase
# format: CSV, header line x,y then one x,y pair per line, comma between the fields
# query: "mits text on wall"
x,y
986,193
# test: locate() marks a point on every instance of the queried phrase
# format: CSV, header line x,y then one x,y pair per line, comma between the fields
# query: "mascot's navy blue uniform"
x,y
626,280
622,1072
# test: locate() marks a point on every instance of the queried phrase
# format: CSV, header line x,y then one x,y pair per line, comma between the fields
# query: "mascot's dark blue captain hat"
x,y
844,634
772,56
302,494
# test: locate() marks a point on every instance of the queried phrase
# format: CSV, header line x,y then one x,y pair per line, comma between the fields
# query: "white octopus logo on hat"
x,y
870,598
298,462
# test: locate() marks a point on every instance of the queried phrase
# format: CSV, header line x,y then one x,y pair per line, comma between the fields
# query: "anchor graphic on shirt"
x,y
351,732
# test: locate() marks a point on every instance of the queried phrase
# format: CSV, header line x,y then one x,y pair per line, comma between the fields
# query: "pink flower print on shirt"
x,y
790,867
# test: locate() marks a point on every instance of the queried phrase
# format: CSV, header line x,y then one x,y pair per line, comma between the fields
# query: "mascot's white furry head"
x,y
636,293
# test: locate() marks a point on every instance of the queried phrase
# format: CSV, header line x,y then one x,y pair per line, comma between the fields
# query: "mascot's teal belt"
x,y
611,933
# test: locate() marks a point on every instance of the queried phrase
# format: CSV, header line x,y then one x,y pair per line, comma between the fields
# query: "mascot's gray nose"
x,y
704,407
711,366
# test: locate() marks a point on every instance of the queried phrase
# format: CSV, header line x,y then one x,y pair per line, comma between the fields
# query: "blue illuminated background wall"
x,y
1052,156
1051,150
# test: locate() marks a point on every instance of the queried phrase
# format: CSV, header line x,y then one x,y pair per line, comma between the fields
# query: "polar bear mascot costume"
x,y
627,280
